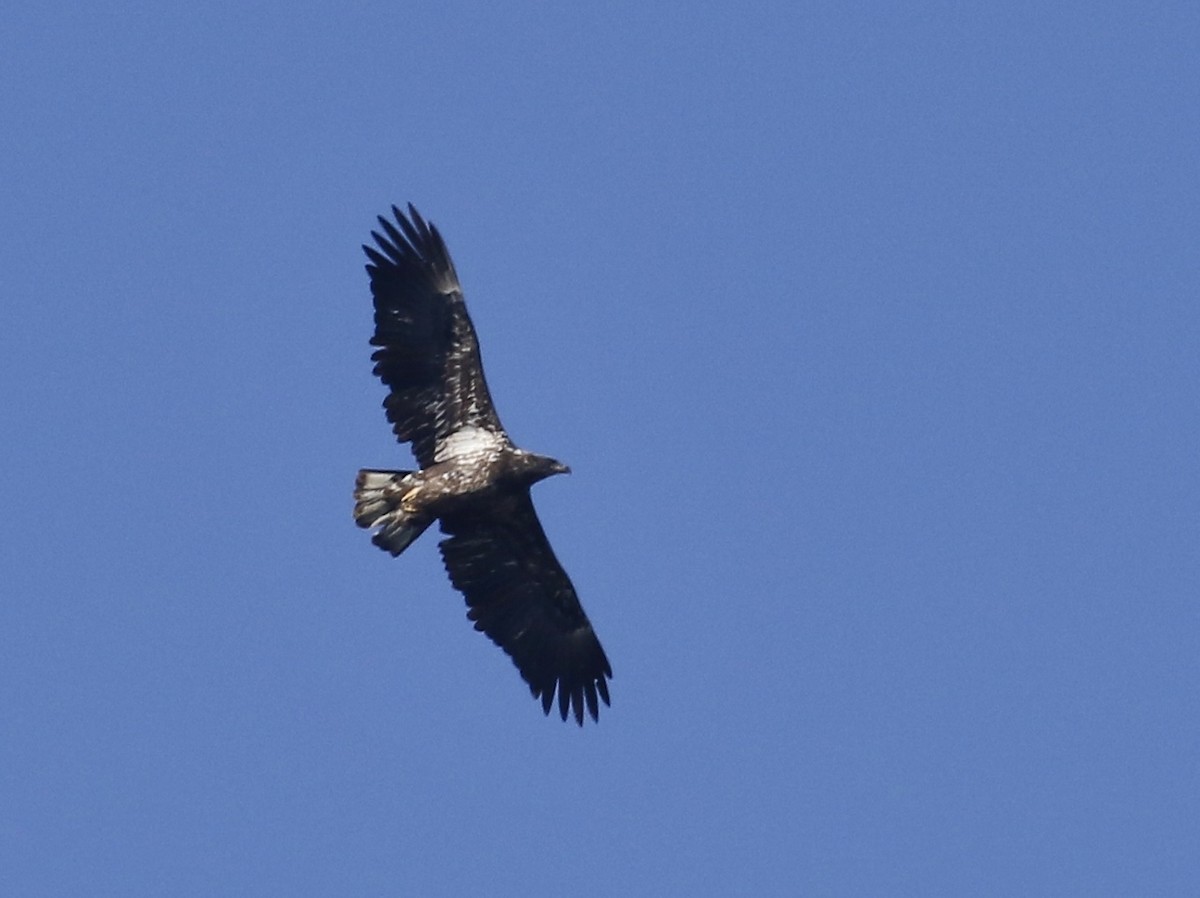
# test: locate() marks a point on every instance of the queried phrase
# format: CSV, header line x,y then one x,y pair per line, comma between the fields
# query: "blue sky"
x,y
869,331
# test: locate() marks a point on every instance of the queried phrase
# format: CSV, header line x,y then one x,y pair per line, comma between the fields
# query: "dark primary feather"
x,y
428,353
498,556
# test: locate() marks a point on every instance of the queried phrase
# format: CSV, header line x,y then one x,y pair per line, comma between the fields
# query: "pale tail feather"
x,y
377,497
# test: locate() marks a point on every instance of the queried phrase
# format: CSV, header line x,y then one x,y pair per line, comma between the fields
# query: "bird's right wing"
x,y
428,353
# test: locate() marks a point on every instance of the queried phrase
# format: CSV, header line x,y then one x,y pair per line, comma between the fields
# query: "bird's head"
x,y
539,467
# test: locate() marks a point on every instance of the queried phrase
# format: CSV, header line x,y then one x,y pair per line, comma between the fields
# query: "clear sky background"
x,y
870,332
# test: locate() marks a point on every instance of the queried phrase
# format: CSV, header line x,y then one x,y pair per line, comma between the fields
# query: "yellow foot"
x,y
408,502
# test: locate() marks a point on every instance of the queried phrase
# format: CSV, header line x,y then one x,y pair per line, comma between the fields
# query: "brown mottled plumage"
x,y
472,479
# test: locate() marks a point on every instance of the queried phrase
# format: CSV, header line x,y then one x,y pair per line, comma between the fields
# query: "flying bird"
x,y
471,479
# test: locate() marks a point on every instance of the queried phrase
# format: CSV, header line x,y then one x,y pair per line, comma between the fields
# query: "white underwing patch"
x,y
467,442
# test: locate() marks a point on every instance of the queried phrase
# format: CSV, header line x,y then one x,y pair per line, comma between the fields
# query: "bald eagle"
x,y
471,479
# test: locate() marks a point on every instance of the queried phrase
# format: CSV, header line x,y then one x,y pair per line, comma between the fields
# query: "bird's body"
x,y
471,479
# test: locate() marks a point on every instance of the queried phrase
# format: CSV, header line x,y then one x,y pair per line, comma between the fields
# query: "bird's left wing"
x,y
517,593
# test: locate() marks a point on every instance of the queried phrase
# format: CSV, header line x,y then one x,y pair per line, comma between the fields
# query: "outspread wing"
x,y
517,593
428,354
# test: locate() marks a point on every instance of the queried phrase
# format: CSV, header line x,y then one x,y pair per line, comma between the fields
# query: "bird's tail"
x,y
378,499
